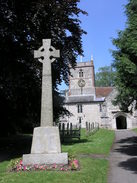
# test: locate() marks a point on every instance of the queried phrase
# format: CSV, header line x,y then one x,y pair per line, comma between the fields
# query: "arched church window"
x,y
80,73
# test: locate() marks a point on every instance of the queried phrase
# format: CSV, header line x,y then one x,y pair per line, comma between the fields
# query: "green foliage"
x,y
23,25
105,76
126,59
12,164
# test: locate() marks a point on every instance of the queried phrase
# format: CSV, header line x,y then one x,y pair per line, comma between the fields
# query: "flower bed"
x,y
16,165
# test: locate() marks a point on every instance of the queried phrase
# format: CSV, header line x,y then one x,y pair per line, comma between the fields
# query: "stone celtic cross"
x,y
46,54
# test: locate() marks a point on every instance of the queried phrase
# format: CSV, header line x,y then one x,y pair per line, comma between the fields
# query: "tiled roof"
x,y
79,99
103,91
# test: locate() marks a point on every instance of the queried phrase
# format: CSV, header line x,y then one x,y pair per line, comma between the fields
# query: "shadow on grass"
x,y
73,141
14,147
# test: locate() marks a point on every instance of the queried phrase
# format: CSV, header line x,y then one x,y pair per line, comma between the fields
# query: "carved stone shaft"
x,y
46,98
46,55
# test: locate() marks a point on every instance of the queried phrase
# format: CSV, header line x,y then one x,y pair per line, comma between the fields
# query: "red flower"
x,y
20,162
24,168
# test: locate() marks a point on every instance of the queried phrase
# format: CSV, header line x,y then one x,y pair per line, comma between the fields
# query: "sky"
x,y
105,18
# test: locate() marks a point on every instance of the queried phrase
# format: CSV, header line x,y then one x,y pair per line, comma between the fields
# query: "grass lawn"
x,y
99,143
91,171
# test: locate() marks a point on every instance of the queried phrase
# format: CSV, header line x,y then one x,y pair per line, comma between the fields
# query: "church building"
x,y
88,103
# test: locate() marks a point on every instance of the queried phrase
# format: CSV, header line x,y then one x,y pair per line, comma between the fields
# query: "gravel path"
x,y
123,158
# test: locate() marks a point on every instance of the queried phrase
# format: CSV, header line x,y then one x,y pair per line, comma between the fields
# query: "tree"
x,y
125,57
105,76
23,25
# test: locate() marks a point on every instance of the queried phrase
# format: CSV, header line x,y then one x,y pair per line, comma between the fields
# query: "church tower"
x,y
80,99
82,80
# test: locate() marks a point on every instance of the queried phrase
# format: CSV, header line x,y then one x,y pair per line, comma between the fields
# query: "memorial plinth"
x,y
46,147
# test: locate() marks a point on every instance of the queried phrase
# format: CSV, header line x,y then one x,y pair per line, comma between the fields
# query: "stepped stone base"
x,y
46,148
32,159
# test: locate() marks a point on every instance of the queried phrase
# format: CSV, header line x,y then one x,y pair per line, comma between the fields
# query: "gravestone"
x,y
46,147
